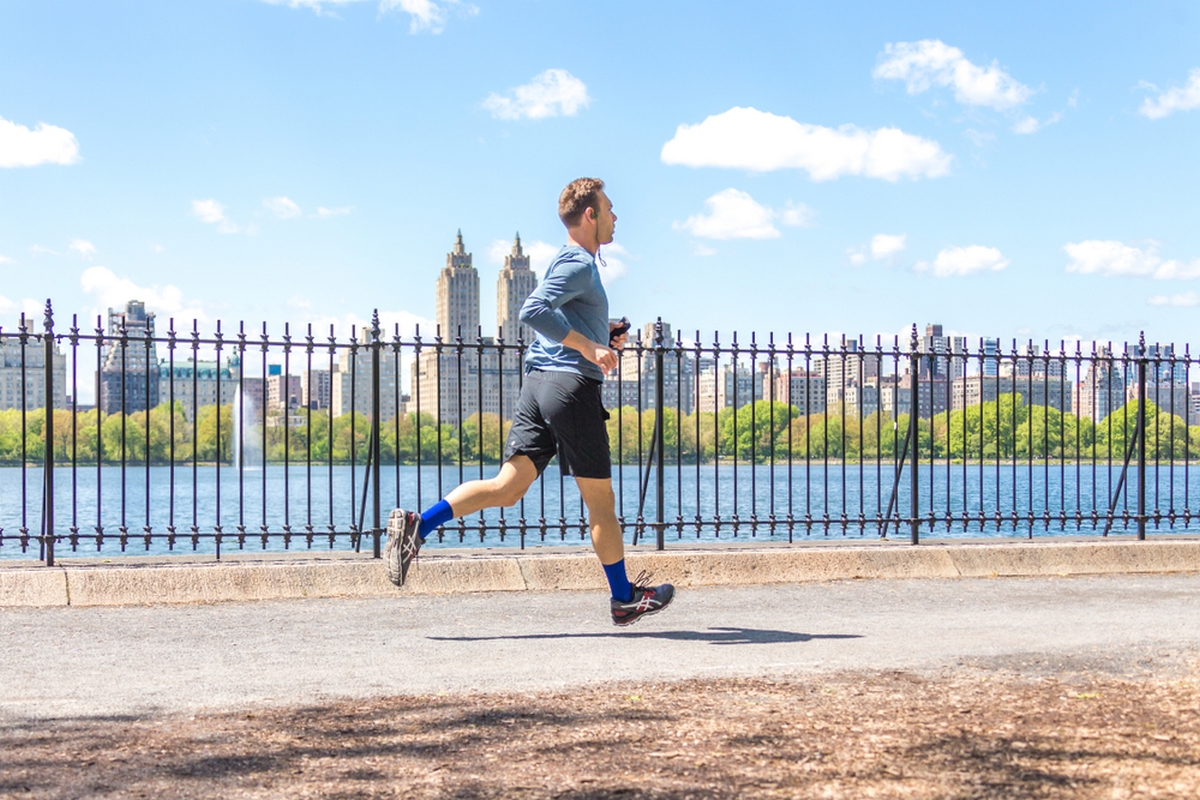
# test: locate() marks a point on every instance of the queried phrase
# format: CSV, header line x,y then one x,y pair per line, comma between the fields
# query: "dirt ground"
x,y
963,734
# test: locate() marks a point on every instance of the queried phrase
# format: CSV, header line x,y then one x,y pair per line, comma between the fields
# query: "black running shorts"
x,y
560,413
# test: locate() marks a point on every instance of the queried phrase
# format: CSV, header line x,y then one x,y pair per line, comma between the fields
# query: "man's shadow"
x,y
712,636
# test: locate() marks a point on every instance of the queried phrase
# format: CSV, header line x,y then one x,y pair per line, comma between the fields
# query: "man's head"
x,y
587,212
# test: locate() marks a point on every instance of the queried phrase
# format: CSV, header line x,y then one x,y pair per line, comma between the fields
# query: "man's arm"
x,y
541,312
601,355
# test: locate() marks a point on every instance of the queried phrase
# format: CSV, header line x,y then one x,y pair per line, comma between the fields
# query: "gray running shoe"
x,y
646,600
403,544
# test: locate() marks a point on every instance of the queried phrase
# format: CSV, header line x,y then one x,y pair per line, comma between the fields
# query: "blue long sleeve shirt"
x,y
570,297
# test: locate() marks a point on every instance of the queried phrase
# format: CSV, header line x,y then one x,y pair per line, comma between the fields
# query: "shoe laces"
x,y
642,581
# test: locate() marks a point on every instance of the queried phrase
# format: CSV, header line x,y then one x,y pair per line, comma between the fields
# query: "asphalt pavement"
x,y
140,661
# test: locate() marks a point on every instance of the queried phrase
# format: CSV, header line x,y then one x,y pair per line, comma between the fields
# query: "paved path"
x,y
139,661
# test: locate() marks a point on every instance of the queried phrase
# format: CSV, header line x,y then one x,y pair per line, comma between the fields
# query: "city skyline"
x,y
1006,170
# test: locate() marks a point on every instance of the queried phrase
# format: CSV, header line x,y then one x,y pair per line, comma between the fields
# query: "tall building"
x,y
1102,389
804,389
29,382
973,390
461,379
129,379
283,391
730,386
193,384
352,384
991,358
845,368
316,389
516,282
948,353
458,294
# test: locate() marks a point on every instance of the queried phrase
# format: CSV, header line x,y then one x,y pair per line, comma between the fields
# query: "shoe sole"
x,y
394,551
645,614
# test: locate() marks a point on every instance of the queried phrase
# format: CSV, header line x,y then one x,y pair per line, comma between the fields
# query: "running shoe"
x,y
646,600
403,544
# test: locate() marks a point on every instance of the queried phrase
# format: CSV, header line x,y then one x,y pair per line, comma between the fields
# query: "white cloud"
x,y
6,260
1107,257
732,214
1028,124
930,62
746,138
701,249
979,138
213,212
549,94
282,207
882,246
425,15
886,245
540,255
85,248
1184,300
796,215
38,250
317,6
32,309
612,260
428,15
952,261
114,292
45,144
1178,98
326,213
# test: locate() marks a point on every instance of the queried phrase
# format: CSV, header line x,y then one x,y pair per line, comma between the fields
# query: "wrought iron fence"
x,y
304,441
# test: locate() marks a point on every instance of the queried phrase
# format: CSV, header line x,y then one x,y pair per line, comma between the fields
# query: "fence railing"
x,y
247,440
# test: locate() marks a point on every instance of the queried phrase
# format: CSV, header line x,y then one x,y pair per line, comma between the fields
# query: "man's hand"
x,y
601,355
617,341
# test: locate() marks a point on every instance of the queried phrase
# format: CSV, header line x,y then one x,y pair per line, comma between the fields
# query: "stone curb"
x,y
83,582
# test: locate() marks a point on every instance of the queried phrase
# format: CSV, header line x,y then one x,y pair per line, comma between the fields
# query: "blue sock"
x,y
618,582
437,514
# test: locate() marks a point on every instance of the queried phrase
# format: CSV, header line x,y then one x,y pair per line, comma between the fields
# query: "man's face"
x,y
606,220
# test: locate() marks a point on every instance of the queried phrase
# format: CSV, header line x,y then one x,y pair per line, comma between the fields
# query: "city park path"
x,y
1066,686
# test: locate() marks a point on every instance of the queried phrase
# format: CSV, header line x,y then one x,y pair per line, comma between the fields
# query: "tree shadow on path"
x,y
716,635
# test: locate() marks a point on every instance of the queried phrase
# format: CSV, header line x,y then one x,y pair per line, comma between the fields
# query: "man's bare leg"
x,y
601,504
640,599
509,486
405,539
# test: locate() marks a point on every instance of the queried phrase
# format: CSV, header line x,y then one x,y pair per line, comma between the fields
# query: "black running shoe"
x,y
403,544
646,600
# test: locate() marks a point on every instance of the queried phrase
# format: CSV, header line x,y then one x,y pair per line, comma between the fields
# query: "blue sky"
x,y
1022,170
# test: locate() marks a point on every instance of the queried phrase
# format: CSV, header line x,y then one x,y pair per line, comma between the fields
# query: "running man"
x,y
559,411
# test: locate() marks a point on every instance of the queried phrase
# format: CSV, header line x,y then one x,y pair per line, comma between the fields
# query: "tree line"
x,y
1005,428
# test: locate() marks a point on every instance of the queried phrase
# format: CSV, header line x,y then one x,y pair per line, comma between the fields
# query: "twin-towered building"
x,y
459,371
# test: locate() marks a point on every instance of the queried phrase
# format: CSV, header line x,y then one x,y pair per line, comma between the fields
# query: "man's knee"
x,y
512,484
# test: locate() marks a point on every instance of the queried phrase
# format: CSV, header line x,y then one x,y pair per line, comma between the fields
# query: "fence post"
x,y
376,344
659,430
914,408
1141,444
48,431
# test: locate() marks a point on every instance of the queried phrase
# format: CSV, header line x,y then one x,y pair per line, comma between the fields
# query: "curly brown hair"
x,y
580,194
